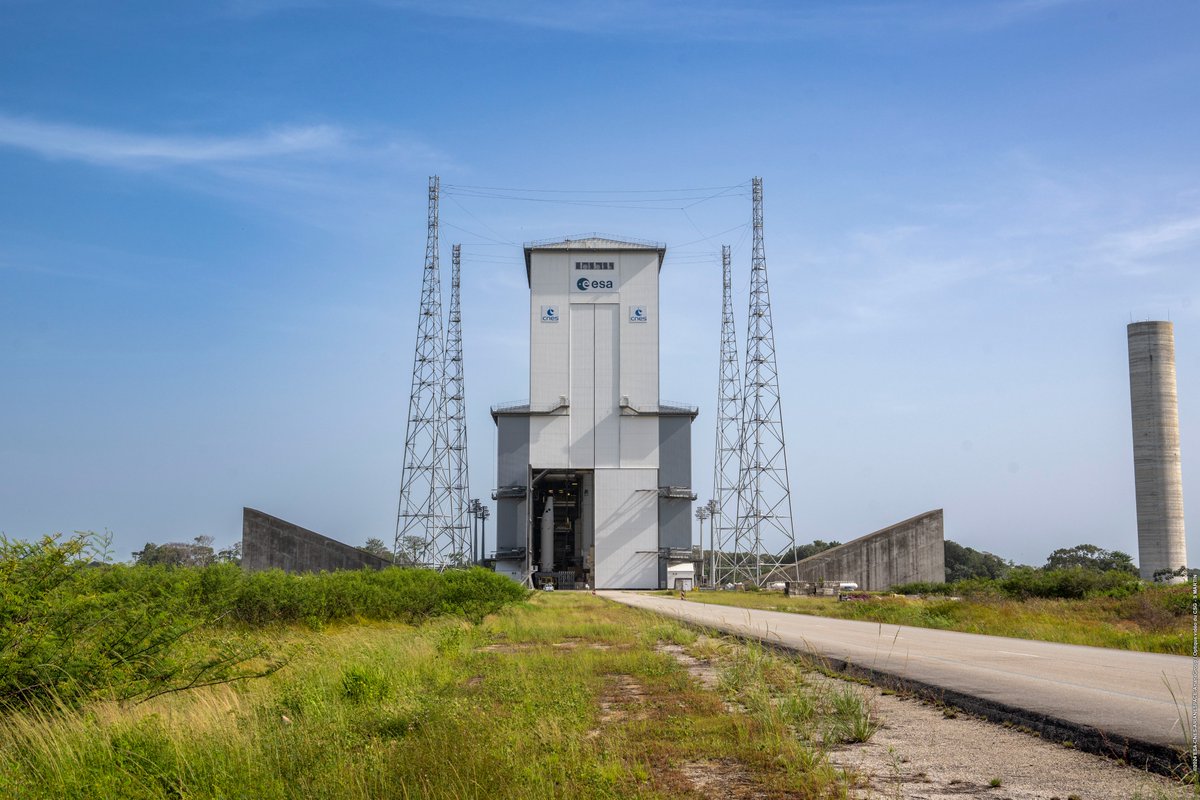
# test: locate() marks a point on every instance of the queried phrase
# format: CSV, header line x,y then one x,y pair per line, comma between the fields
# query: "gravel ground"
x,y
920,754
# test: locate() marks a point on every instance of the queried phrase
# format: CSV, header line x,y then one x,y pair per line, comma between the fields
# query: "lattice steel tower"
x,y
455,414
424,484
764,498
726,463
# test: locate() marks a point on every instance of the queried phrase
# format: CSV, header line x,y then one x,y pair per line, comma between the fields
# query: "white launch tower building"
x,y
594,472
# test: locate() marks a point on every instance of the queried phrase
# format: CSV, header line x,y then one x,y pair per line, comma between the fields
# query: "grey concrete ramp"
x,y
1113,702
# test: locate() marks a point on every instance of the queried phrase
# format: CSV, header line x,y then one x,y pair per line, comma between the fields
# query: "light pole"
x,y
484,513
713,510
702,513
473,510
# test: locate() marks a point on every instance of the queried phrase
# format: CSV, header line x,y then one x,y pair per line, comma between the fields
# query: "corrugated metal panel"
x,y
548,341
626,502
675,451
639,442
583,386
510,523
639,340
608,386
548,440
512,445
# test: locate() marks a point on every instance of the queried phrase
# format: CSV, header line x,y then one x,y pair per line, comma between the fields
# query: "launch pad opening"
x,y
563,537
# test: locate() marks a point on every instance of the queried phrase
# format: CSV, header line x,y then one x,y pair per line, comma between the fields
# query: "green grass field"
x,y
1155,620
566,695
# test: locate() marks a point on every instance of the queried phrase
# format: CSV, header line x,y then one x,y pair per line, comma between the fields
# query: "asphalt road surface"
x,y
1119,699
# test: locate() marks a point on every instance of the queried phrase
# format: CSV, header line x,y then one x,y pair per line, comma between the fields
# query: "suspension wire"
x,y
481,222
742,185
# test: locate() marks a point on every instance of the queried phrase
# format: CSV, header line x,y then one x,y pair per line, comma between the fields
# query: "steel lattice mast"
x,y
455,414
423,532
726,465
764,498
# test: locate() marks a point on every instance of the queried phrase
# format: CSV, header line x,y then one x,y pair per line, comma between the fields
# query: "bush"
x,y
1075,583
1023,583
70,629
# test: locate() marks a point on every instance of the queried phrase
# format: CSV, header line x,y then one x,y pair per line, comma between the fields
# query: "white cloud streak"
x,y
1135,251
114,148
711,19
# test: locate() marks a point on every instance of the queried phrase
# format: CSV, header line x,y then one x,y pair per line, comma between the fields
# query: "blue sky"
x,y
213,216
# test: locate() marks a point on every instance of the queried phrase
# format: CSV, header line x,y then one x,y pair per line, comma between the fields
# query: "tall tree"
x,y
1089,556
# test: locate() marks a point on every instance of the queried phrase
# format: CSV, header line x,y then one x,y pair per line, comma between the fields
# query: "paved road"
x,y
1120,694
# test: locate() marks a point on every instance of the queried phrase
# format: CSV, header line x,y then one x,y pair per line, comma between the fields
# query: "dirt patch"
x,y
624,699
722,778
703,671
524,647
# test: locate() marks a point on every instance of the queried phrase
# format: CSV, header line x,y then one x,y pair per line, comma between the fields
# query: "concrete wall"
x,y
909,551
272,543
1156,460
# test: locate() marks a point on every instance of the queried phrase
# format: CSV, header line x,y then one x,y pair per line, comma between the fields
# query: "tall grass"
x,y
566,696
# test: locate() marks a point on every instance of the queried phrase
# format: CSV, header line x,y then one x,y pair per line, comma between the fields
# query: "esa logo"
x,y
583,284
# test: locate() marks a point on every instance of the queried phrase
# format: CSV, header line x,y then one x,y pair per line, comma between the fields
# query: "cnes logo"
x,y
584,284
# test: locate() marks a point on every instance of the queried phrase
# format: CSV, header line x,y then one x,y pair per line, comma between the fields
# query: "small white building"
x,y
594,471
681,576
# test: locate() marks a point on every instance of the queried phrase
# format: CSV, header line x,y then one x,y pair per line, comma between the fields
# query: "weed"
x,y
365,684
852,721
995,783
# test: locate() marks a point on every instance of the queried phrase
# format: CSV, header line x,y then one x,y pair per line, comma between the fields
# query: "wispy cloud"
x,y
711,19
758,18
327,175
1137,249
101,146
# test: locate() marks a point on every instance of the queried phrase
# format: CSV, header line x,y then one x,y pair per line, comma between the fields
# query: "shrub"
x,y
1023,583
71,629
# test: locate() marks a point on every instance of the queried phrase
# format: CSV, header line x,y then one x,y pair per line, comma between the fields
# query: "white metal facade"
x,y
593,389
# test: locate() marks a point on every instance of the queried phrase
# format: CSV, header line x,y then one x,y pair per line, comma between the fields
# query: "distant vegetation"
x,y
804,551
72,628
376,547
196,553
964,563
1077,573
